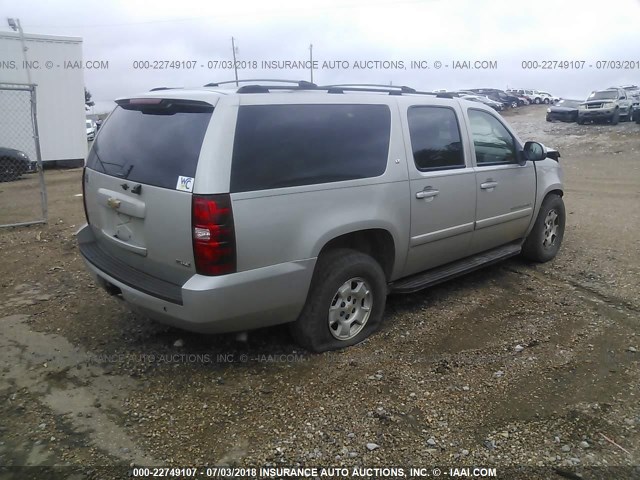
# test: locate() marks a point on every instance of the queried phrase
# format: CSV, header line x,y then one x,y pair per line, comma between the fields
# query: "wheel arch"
x,y
552,188
378,243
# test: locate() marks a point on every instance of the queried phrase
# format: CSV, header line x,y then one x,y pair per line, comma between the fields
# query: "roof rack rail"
x,y
298,83
369,87
336,88
373,87
163,88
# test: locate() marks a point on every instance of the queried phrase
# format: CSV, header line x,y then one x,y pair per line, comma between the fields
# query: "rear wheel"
x,y
514,104
345,302
537,101
545,238
579,120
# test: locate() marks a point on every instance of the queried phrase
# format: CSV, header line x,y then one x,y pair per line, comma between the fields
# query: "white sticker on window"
x,y
185,184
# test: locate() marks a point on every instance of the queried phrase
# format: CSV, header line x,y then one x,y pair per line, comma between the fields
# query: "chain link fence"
x,y
23,194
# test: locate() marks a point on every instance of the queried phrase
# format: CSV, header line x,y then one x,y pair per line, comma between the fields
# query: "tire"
x,y
9,173
579,121
514,104
546,100
537,101
317,329
545,238
548,118
615,118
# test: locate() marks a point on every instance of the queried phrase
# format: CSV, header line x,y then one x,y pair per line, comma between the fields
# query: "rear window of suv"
x,y
289,145
154,144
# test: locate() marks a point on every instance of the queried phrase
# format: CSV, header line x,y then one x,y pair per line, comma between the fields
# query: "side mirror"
x,y
534,151
553,154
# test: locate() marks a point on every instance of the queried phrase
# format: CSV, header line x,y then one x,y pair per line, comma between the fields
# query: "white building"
x,y
55,66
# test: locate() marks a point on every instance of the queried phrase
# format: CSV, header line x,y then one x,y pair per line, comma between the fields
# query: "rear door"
x,y
442,182
625,102
138,183
505,189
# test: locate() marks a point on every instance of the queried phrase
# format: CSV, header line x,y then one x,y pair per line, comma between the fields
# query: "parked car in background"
x,y
486,100
633,92
522,100
564,110
91,129
14,163
608,105
307,205
509,101
534,95
548,98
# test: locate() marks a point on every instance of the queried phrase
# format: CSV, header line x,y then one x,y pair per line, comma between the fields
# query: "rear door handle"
x,y
427,193
488,185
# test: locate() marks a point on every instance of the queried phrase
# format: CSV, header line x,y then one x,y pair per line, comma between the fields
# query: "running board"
x,y
454,269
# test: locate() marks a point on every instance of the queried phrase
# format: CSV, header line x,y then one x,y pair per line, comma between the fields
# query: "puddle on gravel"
x,y
64,381
596,374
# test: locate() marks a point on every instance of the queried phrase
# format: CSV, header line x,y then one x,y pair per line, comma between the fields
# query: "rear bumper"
x,y
235,302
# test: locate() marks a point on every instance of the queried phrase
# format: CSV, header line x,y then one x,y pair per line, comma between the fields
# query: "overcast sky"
x,y
508,32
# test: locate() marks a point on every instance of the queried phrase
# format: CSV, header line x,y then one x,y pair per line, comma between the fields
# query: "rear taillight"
x,y
214,240
84,193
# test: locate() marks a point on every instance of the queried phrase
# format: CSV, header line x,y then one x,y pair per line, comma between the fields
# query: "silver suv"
x,y
608,105
219,209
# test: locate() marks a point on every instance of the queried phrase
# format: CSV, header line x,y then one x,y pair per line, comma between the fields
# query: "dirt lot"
x,y
517,364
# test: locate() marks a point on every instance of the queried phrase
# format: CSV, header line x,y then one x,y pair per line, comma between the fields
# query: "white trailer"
x,y
54,64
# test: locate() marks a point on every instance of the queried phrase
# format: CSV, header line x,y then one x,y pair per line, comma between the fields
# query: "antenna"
x,y
234,49
311,60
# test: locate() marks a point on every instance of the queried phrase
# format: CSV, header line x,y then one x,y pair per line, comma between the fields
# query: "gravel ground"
x,y
516,364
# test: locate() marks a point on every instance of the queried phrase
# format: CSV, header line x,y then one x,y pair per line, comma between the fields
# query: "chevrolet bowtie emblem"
x,y
114,203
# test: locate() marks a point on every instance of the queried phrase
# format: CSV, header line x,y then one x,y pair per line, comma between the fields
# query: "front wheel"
x,y
9,173
615,118
545,238
345,302
546,100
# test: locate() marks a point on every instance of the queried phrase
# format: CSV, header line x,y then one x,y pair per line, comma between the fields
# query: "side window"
x,y
278,146
492,141
435,138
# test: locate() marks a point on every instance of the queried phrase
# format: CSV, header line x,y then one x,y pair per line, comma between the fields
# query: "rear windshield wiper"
x,y
102,162
126,174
